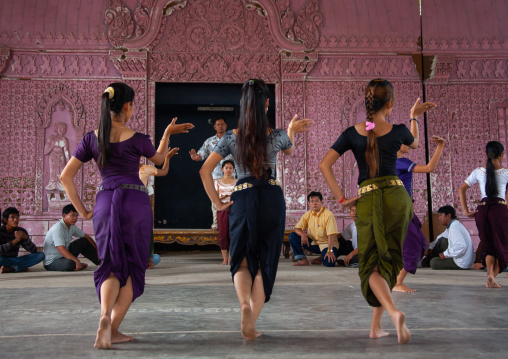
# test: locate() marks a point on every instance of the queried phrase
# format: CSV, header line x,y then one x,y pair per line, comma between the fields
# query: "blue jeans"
x,y
296,244
23,262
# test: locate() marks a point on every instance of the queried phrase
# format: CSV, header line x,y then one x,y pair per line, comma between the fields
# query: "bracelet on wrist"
x,y
330,251
413,119
342,200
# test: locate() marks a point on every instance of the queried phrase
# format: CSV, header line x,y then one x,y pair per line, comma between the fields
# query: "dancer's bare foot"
x,y
224,262
316,261
103,340
378,333
491,283
402,288
117,337
248,327
26,270
403,334
258,334
302,262
5,269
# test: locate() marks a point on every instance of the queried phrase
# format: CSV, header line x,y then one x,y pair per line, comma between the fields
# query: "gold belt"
x,y
246,185
499,201
373,186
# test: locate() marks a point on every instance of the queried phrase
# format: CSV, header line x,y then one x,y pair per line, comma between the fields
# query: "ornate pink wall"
x,y
320,54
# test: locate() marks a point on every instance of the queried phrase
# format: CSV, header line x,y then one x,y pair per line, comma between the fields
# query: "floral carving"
x,y
214,26
308,23
142,16
119,19
213,67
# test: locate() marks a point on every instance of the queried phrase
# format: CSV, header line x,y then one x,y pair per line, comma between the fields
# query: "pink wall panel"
x,y
56,58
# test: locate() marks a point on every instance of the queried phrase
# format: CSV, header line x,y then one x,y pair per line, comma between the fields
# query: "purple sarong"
x,y
492,223
122,215
414,246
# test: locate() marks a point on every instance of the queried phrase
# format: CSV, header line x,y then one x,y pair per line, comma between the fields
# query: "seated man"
x,y
321,228
11,238
453,249
61,253
348,242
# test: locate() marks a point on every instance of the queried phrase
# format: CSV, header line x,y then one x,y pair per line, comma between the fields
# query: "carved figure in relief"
x,y
381,191
57,148
415,244
491,214
122,215
461,69
317,232
498,72
254,252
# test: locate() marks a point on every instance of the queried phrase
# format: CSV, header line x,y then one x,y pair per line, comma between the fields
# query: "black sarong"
x,y
256,227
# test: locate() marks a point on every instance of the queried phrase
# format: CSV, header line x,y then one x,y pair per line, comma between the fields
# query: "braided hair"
x,y
493,150
113,100
377,94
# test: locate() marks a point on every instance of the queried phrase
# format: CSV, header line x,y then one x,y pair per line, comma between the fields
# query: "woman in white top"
x,y
224,187
491,215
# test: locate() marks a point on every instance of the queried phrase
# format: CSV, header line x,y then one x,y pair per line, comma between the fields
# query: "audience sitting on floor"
x,y
61,251
453,249
348,242
11,238
321,228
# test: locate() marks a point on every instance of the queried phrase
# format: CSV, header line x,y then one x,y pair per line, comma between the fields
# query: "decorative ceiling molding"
x,y
300,35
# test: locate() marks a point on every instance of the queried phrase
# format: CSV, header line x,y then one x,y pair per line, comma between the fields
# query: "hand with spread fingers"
x,y
174,129
419,108
297,126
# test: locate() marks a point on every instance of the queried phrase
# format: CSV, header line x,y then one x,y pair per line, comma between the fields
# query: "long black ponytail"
x,y
113,99
253,127
494,150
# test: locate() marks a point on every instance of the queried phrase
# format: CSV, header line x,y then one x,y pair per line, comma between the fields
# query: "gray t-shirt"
x,y
59,235
278,140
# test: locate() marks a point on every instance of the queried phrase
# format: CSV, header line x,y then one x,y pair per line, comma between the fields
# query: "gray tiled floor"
x,y
189,310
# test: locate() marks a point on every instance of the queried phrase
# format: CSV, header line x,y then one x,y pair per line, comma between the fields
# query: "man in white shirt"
x,y
61,253
220,126
453,249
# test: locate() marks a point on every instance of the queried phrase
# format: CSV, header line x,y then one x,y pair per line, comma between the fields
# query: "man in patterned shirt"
x,y
220,126
11,238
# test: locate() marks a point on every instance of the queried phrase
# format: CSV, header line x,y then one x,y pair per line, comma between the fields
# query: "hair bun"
x,y
111,91
491,155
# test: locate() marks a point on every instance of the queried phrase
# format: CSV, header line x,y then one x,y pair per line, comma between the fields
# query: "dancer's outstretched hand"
x,y
171,152
298,126
174,129
438,140
350,202
419,108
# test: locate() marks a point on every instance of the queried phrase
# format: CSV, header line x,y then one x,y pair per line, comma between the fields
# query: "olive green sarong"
x,y
382,219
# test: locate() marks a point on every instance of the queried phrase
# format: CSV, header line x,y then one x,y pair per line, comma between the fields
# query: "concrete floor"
x,y
190,310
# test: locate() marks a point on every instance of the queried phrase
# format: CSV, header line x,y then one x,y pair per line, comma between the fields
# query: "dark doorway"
x,y
180,199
